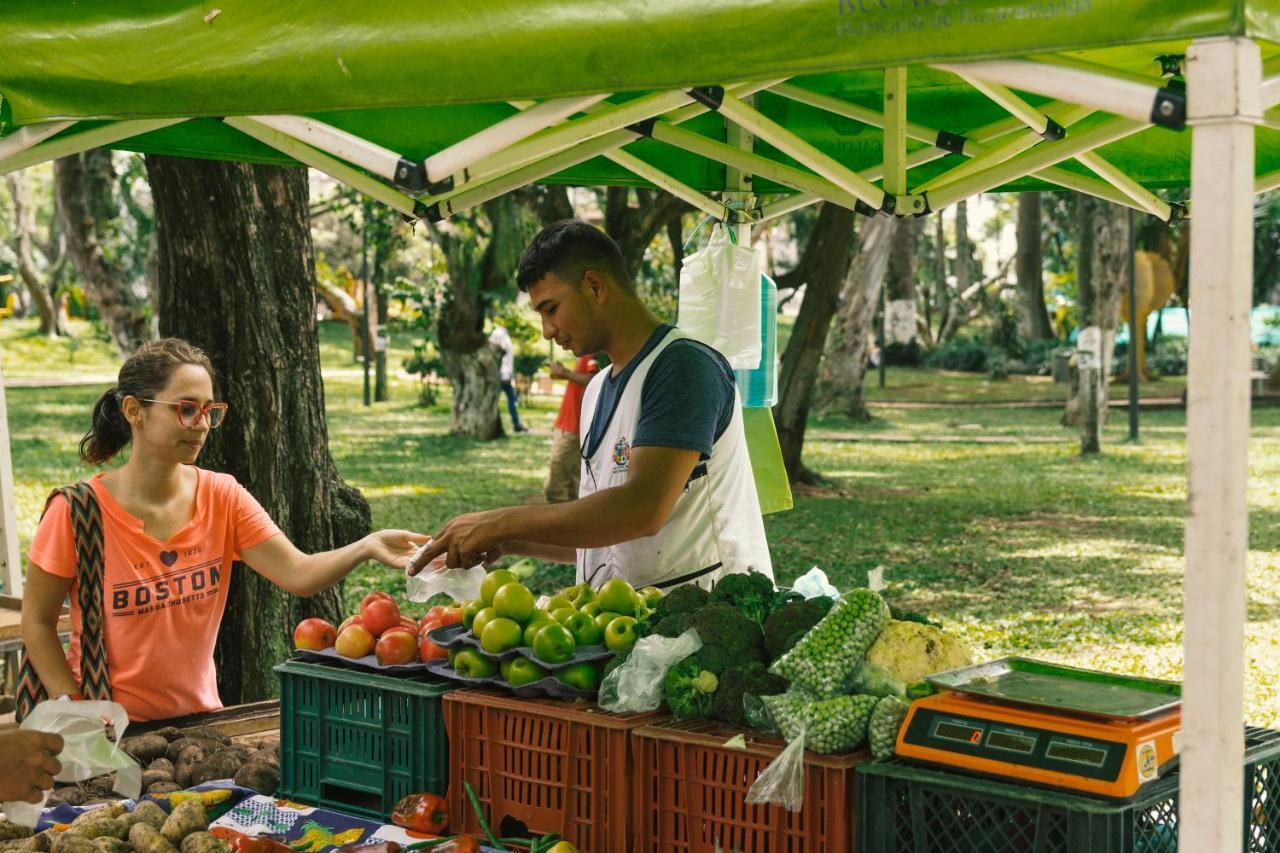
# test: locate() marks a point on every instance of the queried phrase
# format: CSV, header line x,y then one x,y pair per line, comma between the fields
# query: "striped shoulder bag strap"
x,y
86,527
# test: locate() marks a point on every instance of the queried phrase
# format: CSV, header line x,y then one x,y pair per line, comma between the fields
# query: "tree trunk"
x,y
380,391
633,228
821,271
1085,298
901,281
844,366
675,236
956,311
52,312
475,277
236,278
1031,267
85,189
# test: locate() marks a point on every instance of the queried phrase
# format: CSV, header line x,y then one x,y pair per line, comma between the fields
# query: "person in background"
x,y
566,459
501,339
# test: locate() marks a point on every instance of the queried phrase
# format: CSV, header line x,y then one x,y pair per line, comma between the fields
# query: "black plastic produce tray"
x,y
450,636
549,686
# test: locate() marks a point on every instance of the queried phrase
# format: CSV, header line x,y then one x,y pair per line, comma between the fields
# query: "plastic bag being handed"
x,y
782,782
86,751
636,684
720,299
814,583
432,579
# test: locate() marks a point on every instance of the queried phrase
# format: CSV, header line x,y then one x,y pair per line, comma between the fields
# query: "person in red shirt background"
x,y
566,456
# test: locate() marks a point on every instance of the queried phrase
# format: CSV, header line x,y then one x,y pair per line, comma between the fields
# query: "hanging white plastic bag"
x,y
433,578
782,782
636,684
814,583
86,750
720,299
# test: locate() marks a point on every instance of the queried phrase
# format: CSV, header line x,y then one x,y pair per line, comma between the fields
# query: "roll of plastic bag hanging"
x,y
86,750
759,387
720,299
432,579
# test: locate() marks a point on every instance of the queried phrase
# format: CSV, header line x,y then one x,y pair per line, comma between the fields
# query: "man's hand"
x,y
559,371
30,763
465,541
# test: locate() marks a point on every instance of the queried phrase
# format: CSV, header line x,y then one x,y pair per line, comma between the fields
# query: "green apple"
x,y
563,613
554,644
584,676
584,629
469,612
514,601
621,634
524,671
617,595
603,619
587,594
591,608
493,582
500,634
504,668
558,601
481,620
651,595
471,664
537,621
453,655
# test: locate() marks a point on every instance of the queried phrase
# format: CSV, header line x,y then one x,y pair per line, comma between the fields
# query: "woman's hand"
x,y
394,548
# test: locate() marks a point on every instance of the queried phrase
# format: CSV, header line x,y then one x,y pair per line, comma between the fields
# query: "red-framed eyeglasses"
x,y
190,412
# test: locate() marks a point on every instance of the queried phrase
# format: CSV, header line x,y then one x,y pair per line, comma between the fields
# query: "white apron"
x,y
715,527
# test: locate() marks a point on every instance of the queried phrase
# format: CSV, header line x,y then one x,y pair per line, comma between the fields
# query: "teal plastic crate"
x,y
904,808
358,741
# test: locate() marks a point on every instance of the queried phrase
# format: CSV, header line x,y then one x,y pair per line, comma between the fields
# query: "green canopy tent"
x,y
890,107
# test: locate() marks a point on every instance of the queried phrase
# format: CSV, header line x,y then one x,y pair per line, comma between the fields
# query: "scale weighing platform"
x,y
1077,729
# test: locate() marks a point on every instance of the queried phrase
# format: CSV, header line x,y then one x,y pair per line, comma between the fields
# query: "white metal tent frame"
x,y
1227,96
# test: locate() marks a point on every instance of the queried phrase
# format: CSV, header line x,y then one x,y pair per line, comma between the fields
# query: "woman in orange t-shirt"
x,y
171,532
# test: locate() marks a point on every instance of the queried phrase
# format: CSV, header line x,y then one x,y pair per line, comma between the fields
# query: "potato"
x,y
99,786
106,844
186,764
106,826
67,842
169,733
203,842
149,813
161,764
40,842
105,813
13,845
151,777
258,776
187,817
11,831
208,733
163,788
224,765
69,794
145,748
264,756
176,747
145,838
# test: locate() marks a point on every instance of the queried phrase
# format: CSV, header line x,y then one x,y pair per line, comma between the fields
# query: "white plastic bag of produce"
x,y
636,684
814,583
720,299
86,751
433,578
782,782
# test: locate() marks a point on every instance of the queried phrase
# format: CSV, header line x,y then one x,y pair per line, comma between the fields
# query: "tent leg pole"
x,y
10,560
1224,95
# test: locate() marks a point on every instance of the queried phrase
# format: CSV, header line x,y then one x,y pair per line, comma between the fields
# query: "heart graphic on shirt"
x,y
168,557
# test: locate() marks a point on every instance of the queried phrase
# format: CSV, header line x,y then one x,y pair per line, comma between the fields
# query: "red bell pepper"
x,y
423,813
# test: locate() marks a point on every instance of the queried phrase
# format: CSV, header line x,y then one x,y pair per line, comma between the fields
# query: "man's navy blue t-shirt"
x,y
687,401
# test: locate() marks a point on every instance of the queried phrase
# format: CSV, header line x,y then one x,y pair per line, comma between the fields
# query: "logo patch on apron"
x,y
621,455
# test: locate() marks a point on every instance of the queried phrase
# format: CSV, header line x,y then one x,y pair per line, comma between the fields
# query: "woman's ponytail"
x,y
109,432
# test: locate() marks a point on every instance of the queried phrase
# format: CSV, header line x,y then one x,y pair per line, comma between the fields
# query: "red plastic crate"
x,y
542,765
692,791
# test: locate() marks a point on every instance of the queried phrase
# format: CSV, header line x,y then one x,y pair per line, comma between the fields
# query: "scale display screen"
x,y
958,732
1079,754
1011,742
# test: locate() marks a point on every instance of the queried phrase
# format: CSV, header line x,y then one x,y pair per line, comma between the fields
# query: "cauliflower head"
x,y
909,651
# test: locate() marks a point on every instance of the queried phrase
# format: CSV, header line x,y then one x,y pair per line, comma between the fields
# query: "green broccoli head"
x,y
688,689
672,626
751,592
786,625
728,637
683,599
738,681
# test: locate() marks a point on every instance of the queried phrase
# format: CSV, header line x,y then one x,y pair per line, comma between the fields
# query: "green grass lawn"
x,y
985,517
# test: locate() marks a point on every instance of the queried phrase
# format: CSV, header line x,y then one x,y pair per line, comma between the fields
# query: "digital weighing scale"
x,y
1047,724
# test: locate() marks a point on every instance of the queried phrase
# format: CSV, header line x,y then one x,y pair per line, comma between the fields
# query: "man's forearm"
x,y
540,551
597,521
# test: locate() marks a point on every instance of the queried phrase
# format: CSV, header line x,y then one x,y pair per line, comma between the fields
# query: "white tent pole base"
x,y
11,568
1224,95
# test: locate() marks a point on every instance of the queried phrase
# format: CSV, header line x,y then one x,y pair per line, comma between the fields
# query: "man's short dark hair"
x,y
568,249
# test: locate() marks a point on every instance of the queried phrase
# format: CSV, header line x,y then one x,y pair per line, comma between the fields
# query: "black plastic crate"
x,y
905,808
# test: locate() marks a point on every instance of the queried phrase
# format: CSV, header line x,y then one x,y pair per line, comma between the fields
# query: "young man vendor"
x,y
667,495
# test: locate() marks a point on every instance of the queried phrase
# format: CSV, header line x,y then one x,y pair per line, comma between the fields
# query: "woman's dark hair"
x,y
568,249
143,374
